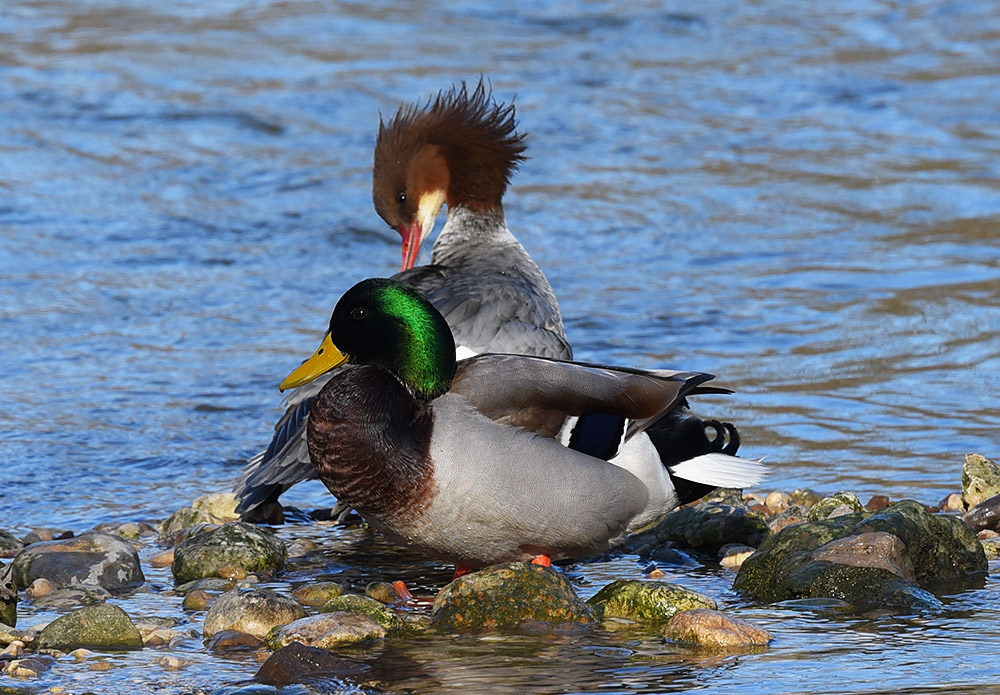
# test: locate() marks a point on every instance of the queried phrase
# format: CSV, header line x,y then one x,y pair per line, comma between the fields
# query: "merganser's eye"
x,y
359,312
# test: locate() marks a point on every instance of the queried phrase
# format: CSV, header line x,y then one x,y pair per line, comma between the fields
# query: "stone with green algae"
x,y
365,605
980,480
646,601
102,626
233,546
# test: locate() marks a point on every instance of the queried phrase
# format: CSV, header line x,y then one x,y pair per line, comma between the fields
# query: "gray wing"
x,y
494,311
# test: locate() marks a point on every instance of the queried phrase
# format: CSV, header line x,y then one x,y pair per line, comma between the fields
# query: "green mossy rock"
x,y
317,593
365,605
708,527
646,601
217,508
888,559
835,505
503,597
326,630
980,480
236,545
101,626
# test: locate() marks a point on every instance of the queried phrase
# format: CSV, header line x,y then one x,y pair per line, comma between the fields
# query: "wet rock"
x,y
157,632
505,596
991,546
197,600
710,628
327,630
985,515
233,641
8,596
65,599
365,605
8,634
878,503
734,554
9,544
795,514
164,559
868,560
952,503
383,592
300,547
30,667
219,552
218,508
95,559
708,527
836,505
95,627
980,479
43,535
254,611
805,497
646,601
317,594
297,662
777,502
172,663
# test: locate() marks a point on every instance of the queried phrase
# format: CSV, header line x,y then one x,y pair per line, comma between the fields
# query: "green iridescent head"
x,y
385,323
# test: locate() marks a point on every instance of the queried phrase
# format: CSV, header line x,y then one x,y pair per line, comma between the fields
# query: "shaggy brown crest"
x,y
465,143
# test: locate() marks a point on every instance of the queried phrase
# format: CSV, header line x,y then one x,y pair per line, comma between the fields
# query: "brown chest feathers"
x,y
370,443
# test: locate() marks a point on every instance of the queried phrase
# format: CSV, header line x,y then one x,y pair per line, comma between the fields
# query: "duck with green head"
x,y
465,461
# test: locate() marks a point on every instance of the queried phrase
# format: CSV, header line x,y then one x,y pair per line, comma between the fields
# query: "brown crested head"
x,y
461,148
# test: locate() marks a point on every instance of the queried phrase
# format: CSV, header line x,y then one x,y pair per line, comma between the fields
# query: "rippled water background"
x,y
803,199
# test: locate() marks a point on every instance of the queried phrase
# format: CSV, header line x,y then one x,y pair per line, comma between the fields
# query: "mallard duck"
x,y
459,150
465,460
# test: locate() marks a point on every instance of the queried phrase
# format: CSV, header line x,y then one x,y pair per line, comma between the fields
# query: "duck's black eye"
x,y
401,198
359,312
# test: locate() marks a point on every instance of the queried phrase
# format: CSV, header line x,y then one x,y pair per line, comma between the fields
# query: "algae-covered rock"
x,y
652,601
101,626
8,596
317,593
217,508
503,597
365,605
980,479
233,546
888,559
708,527
252,610
91,558
9,544
326,630
710,628
836,505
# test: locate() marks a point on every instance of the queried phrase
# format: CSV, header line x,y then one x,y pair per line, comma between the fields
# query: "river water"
x,y
803,199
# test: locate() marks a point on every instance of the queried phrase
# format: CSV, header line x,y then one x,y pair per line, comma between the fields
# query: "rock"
x,y
805,498
836,505
42,535
952,503
980,479
39,588
254,611
217,508
300,547
297,662
9,544
711,628
734,554
505,596
164,559
878,503
383,592
327,630
218,553
88,559
172,663
985,515
8,634
197,600
30,667
95,627
991,546
795,514
66,599
365,605
8,596
646,601
317,593
233,641
777,502
868,560
708,527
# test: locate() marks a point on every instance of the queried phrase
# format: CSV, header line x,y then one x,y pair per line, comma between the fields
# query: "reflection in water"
x,y
800,199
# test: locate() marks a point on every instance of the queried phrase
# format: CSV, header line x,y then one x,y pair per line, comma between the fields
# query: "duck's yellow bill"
x,y
323,360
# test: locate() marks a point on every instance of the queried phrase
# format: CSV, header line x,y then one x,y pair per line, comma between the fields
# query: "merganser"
x,y
459,150
460,460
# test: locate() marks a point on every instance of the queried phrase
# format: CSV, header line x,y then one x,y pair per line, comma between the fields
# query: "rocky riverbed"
x,y
308,602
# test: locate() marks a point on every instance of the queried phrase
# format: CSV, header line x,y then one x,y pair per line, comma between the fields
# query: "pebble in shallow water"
x,y
251,610
710,628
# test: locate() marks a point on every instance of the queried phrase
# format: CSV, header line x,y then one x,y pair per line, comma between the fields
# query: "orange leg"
x,y
543,560
461,570
404,593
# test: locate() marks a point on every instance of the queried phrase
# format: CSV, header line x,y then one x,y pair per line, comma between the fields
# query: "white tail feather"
x,y
721,470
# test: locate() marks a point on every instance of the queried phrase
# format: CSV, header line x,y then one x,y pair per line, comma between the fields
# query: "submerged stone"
x,y
711,628
297,662
708,527
507,596
326,630
317,593
365,605
646,601
254,611
96,559
220,552
95,627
